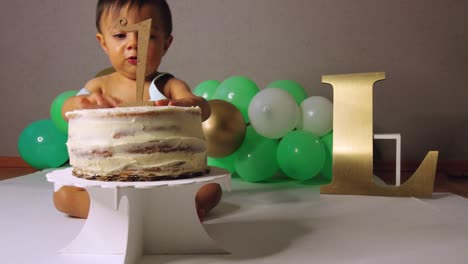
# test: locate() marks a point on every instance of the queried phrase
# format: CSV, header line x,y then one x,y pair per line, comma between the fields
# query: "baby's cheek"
x,y
153,63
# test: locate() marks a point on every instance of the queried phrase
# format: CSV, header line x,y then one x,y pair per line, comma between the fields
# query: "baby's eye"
x,y
152,36
119,35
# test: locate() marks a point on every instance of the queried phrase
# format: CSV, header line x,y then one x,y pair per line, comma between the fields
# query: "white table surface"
x,y
260,223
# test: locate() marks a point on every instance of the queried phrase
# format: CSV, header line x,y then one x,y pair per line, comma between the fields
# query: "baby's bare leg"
x,y
73,201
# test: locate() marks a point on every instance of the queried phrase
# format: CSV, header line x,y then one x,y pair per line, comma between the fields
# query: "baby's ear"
x,y
102,41
168,43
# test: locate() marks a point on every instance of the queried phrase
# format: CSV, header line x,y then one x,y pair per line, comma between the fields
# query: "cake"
x,y
143,143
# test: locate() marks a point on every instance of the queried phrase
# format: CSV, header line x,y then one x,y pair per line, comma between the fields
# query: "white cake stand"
x,y
142,218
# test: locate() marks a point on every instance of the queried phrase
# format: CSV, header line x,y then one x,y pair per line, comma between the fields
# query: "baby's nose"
x,y
132,41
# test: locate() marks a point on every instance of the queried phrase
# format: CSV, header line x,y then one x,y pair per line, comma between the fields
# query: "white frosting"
x,y
166,141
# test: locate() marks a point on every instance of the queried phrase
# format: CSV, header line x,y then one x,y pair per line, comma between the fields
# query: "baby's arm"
x,y
180,95
74,201
96,99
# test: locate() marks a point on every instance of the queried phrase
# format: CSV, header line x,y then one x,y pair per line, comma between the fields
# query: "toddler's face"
x,y
121,47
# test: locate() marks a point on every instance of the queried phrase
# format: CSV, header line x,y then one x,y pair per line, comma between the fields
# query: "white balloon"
x,y
300,123
317,115
273,113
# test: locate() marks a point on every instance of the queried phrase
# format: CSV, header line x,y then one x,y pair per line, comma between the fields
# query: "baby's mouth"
x,y
133,60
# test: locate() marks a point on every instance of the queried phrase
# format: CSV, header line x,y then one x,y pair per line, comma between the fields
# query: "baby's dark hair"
x,y
106,5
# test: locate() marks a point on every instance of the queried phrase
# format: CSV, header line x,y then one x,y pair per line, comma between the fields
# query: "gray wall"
x,y
48,46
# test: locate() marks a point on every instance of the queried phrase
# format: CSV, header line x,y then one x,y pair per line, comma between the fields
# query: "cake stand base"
x,y
142,218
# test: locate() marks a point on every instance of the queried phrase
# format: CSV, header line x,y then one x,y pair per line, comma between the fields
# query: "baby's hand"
x,y
187,102
179,102
96,100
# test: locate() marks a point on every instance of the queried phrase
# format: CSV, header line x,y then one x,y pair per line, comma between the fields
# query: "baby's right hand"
x,y
96,100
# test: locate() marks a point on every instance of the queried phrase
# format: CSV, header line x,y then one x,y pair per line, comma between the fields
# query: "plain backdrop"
x,y
49,46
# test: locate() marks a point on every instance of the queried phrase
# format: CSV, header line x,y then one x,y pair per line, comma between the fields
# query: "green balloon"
x,y
207,89
56,110
239,91
226,163
301,155
327,170
256,157
292,87
42,145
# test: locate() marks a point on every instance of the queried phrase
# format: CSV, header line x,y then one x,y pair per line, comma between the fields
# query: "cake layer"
x,y
189,154
133,125
170,145
136,176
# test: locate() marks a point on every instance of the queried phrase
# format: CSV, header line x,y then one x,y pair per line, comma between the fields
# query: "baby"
x,y
119,87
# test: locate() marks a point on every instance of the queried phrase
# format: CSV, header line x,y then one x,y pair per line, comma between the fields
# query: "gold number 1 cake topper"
x,y
143,30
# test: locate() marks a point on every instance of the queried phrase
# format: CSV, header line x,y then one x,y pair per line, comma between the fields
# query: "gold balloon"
x,y
224,130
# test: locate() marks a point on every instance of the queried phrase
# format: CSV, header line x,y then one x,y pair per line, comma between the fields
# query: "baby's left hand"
x,y
179,102
187,102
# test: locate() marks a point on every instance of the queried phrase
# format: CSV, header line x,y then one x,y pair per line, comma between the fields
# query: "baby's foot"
x,y
201,214
207,198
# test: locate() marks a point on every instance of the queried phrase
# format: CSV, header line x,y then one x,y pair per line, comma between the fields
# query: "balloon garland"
x,y
284,130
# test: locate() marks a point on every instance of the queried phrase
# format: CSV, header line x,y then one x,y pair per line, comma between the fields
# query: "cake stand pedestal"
x,y
142,218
